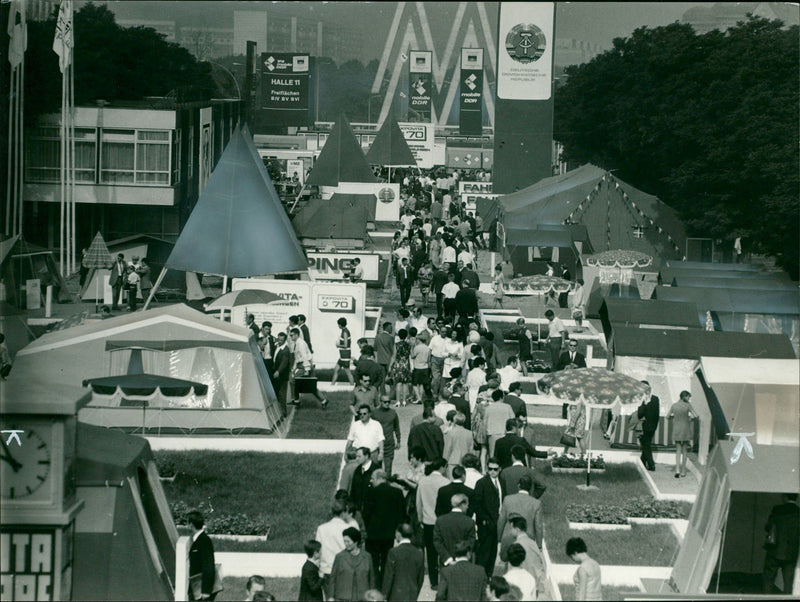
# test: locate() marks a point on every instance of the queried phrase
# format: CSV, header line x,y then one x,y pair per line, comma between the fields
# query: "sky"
x,y
596,22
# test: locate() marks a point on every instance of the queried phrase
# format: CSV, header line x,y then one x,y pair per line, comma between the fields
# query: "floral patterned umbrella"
x,y
620,258
541,283
598,387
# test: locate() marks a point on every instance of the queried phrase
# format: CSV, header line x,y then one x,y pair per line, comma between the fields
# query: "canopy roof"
x,y
238,227
667,274
708,281
347,201
341,159
616,312
754,371
108,455
696,343
609,208
755,301
323,220
390,148
539,238
144,384
774,468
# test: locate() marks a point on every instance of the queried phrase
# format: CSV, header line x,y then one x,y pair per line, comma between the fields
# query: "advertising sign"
x,y
28,563
470,120
387,209
333,266
479,188
525,55
323,303
296,166
284,81
420,139
33,296
420,68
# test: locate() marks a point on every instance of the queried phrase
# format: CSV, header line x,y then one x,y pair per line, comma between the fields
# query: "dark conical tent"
x,y
341,159
390,148
238,227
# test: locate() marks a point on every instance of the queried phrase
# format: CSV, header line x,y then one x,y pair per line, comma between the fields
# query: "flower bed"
x,y
649,507
221,524
605,514
565,463
642,508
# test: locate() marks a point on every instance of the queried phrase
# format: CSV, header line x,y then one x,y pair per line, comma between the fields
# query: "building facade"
x,y
139,167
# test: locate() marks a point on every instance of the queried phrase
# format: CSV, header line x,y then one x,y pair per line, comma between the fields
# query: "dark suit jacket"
x,y
510,476
360,485
371,368
785,519
564,360
486,502
117,278
201,561
502,449
443,505
404,278
472,277
306,336
648,412
516,403
450,529
428,436
283,363
403,573
462,405
462,581
310,582
467,302
384,509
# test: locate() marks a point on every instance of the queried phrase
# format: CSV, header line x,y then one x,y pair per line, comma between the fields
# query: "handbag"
x,y
196,583
568,439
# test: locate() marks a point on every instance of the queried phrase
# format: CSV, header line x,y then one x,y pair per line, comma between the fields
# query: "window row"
x,y
143,157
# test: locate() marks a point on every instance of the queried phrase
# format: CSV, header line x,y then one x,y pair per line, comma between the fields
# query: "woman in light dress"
x,y
681,413
498,284
455,354
587,578
577,425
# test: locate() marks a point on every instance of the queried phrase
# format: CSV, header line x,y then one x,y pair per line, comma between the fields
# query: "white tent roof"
x,y
751,371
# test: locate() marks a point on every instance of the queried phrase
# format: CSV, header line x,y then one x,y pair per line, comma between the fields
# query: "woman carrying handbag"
x,y
573,436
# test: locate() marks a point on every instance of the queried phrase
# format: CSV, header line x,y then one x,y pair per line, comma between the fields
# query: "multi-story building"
x,y
167,28
139,167
206,42
723,15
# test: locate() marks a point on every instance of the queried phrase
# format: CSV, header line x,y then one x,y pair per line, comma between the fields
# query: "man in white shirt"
x,y
509,373
519,576
417,320
449,255
449,291
438,354
366,432
329,534
557,336
475,378
465,258
471,464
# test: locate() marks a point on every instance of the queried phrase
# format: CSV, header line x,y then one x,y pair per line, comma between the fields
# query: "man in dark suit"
x,y
405,567
366,364
466,303
362,477
201,560
427,435
446,493
404,279
511,475
281,369
504,445
301,324
649,413
569,360
783,551
487,500
384,510
452,528
563,298
310,579
438,281
462,580
118,280
515,401
462,403
266,342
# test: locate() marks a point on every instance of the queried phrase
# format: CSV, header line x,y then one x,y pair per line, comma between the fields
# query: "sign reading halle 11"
x,y
284,98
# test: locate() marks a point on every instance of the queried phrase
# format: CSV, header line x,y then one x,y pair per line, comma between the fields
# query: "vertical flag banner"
x,y
17,33
420,84
250,79
525,57
63,40
284,80
470,120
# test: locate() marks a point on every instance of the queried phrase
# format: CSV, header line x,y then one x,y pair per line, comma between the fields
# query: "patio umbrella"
x,y
97,257
620,258
249,296
597,388
541,283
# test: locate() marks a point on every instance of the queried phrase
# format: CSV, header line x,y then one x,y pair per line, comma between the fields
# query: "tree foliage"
x,y
709,123
111,63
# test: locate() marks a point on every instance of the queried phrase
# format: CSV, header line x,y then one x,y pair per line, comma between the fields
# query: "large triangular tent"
x,y
615,214
341,159
225,388
238,227
23,261
390,148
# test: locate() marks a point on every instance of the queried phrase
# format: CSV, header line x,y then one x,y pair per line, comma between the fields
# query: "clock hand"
x,y
6,455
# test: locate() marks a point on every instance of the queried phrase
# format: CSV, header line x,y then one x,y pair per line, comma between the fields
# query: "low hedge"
x,y
638,507
596,513
564,461
221,524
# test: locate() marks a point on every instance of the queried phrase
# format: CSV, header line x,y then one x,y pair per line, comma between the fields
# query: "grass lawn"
x,y
292,491
648,546
282,589
312,422
548,434
568,592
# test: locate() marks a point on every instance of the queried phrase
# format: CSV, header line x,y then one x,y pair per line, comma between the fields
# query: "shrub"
x,y
564,461
221,524
596,513
648,507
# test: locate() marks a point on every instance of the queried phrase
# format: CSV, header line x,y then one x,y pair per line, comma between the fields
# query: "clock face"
x,y
25,466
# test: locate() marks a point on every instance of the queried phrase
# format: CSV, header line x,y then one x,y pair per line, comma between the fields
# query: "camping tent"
x,y
14,325
646,314
173,341
25,261
616,215
530,249
722,549
668,360
390,148
125,521
754,395
341,159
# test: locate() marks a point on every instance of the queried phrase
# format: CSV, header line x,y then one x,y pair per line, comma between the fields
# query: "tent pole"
x,y
224,284
155,288
297,200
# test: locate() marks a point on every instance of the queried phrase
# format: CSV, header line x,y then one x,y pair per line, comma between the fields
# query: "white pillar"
x,y
48,301
182,568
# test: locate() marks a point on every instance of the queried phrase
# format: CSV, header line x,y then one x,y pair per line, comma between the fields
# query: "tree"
x,y
111,63
709,123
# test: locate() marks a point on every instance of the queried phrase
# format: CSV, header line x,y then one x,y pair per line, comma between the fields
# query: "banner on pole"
x,y
284,85
420,139
470,120
63,40
525,57
420,85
